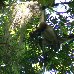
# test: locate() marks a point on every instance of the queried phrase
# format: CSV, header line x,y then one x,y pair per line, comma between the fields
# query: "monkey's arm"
x,y
65,38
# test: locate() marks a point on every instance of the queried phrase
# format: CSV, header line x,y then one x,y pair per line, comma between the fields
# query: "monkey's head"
x,y
40,29
43,25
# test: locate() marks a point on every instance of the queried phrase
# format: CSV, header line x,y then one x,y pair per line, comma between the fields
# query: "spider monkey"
x,y
49,35
46,30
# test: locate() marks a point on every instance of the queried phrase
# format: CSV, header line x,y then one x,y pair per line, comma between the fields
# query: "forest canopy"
x,y
29,47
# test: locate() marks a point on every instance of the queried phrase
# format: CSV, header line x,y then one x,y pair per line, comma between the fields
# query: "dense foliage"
x,y
21,54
